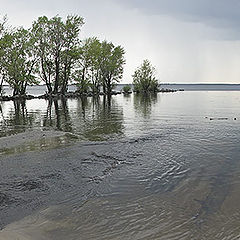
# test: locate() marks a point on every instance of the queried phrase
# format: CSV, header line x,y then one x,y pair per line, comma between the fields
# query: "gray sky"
x,y
187,40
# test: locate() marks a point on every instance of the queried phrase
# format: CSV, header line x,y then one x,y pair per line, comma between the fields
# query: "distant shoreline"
x,y
40,90
123,84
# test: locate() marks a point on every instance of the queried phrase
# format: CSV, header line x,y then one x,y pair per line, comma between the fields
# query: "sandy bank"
x,y
28,137
34,227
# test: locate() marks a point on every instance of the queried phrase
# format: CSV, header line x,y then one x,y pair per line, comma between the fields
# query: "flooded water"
x,y
162,166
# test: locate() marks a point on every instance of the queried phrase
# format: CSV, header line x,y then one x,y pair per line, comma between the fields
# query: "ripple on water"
x,y
176,178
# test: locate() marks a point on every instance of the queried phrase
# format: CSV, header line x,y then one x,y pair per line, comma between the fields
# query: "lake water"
x,y
162,166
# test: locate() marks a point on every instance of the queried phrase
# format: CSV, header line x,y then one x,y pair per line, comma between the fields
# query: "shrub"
x,y
126,89
144,79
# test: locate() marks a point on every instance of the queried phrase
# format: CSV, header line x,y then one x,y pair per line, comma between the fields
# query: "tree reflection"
x,y
101,118
92,119
58,115
96,118
18,119
1,113
2,121
143,103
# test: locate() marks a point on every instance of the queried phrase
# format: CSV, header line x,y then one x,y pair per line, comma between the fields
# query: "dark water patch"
x,y
56,175
29,185
220,187
6,200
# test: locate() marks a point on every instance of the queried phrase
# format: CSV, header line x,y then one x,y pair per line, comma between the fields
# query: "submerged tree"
x,y
3,30
100,64
144,78
91,53
57,42
52,52
85,64
18,60
111,65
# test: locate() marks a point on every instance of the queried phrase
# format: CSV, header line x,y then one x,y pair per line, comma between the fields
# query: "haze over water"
x,y
162,166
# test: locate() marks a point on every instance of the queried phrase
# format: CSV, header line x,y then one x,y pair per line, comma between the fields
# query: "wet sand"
x,y
33,140
28,137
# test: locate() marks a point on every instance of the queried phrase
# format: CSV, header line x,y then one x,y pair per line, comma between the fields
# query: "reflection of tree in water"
x,y
1,114
93,119
143,103
18,119
2,122
58,115
100,118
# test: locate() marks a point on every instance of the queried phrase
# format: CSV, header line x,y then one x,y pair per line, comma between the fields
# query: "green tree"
x,y
111,60
126,89
70,53
57,42
144,78
81,74
94,70
3,30
100,64
18,62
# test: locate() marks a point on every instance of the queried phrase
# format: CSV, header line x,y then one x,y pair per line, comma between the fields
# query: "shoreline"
x,y
70,95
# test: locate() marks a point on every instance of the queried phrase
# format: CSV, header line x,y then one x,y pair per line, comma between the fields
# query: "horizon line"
x,y
162,83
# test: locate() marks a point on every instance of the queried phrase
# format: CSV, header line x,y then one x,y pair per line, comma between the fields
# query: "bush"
x,y
144,79
126,89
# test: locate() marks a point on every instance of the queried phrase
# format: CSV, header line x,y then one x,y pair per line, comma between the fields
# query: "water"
x,y
38,90
164,166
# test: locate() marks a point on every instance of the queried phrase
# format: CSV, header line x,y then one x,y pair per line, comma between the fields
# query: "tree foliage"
x,y
101,64
57,44
2,32
111,65
144,78
126,89
52,52
18,60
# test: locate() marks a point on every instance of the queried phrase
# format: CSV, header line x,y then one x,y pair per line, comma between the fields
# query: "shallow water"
x,y
163,166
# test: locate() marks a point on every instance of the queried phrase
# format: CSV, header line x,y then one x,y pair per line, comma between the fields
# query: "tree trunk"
x,y
49,88
1,86
65,80
56,84
109,87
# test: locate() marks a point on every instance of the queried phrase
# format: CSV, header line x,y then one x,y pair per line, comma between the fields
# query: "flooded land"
x,y
161,166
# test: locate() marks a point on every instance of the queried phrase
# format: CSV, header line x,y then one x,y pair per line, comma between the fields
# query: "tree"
x,y
126,89
87,74
56,45
111,60
144,79
70,53
3,30
18,60
94,69
100,64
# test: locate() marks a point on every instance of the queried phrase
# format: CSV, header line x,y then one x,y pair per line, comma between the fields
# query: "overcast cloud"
x,y
187,40
217,13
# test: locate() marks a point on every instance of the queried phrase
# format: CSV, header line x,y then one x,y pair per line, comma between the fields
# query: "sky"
x,y
188,41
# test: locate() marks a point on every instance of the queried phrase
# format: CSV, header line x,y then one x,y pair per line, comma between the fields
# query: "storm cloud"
x,y
216,13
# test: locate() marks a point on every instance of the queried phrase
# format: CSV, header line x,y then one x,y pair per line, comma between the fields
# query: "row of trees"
x,y
52,52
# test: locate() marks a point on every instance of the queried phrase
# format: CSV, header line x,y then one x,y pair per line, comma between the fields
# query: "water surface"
x,y
163,166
